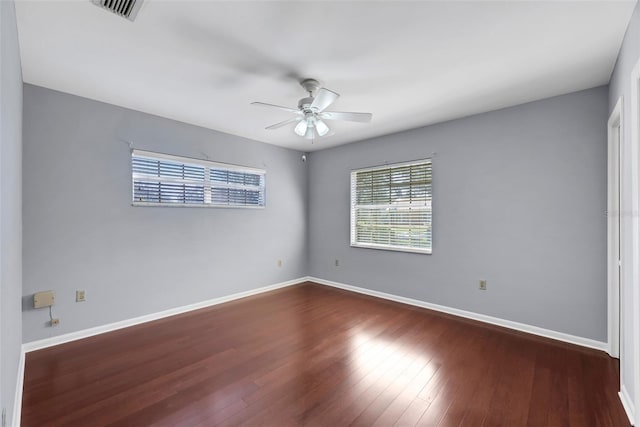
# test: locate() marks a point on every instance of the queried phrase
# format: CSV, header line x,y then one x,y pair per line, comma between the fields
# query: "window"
x,y
161,179
391,207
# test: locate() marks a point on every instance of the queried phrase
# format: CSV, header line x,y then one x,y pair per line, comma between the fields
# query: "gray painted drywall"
x,y
81,232
620,85
10,205
519,200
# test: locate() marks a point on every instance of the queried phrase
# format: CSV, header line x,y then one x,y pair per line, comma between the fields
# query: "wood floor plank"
x,y
366,372
479,404
522,381
473,371
310,355
463,374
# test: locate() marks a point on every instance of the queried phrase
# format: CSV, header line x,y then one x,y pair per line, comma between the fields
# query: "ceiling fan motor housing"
x,y
310,85
305,104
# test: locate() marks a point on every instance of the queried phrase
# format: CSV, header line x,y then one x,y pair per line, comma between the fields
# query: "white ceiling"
x,y
409,63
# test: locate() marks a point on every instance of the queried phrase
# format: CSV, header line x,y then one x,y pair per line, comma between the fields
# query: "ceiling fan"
x,y
310,114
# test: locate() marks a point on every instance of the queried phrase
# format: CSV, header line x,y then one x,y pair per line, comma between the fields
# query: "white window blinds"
x,y
160,179
391,207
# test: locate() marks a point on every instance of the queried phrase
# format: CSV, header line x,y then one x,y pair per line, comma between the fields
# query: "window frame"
x,y
353,206
208,166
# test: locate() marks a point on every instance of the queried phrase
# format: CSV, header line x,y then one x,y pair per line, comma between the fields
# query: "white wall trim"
x,y
614,224
635,229
17,400
560,336
85,333
627,404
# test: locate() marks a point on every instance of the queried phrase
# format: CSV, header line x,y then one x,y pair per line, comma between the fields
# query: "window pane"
x,y
145,191
163,168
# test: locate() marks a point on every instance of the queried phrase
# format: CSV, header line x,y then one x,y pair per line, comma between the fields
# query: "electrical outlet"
x,y
483,285
80,297
279,263
55,322
337,263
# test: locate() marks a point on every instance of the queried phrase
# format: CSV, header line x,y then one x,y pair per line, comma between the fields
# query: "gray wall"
x,y
519,200
10,205
620,85
81,231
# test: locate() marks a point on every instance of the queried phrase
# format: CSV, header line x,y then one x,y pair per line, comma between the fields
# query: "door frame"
x,y
614,226
634,286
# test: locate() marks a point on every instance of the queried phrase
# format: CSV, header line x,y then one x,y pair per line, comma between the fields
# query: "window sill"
x,y
394,249
191,205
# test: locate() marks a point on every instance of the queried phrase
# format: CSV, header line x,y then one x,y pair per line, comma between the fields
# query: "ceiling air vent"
x,y
125,8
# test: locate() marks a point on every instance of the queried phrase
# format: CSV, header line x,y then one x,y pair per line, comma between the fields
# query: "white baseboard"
x,y
627,404
85,333
560,336
17,400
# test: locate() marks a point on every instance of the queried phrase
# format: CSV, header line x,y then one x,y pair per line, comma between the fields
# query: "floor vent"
x,y
125,8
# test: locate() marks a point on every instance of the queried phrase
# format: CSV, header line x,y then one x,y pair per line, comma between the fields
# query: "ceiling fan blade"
x,y
301,128
321,128
280,107
350,117
323,99
286,122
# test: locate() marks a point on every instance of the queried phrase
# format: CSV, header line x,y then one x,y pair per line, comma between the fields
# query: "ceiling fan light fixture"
x,y
322,128
301,128
310,134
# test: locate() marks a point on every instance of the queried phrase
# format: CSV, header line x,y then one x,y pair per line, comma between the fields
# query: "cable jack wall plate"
x,y
43,299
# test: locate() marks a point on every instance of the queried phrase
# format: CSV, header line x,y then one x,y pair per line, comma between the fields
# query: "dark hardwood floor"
x,y
316,356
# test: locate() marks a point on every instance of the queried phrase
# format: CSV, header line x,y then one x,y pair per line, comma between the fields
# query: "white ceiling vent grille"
x,y
125,8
